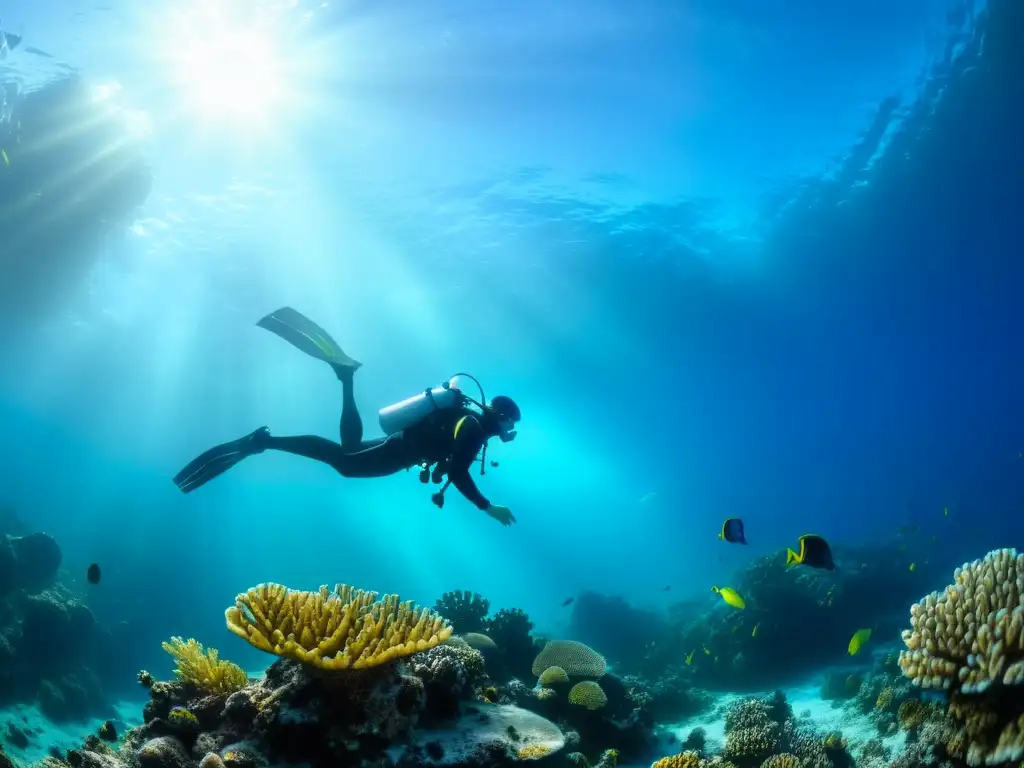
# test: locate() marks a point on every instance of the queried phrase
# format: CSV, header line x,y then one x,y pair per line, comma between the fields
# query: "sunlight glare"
x,y
226,68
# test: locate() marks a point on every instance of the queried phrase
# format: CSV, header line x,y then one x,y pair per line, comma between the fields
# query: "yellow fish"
x,y
706,651
913,567
7,160
689,659
731,597
860,637
753,633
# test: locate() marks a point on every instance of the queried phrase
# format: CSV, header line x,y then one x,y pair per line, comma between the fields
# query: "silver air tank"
x,y
400,416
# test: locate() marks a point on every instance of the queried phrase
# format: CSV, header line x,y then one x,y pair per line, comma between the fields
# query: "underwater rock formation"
x,y
47,637
28,563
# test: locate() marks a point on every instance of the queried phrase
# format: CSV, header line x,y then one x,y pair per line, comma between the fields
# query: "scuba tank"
x,y
411,411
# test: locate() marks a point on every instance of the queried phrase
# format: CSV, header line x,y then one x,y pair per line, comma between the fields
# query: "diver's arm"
x,y
468,441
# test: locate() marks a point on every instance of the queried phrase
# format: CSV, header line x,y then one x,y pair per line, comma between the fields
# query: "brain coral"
x,y
553,675
577,659
969,640
587,694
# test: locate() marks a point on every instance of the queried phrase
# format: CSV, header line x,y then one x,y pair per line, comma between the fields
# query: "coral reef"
x,y
762,733
410,712
346,628
968,641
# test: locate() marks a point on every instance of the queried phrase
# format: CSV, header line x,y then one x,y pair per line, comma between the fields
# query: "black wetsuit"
x,y
452,435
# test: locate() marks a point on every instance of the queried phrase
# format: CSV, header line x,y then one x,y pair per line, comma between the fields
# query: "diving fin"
x,y
220,459
302,333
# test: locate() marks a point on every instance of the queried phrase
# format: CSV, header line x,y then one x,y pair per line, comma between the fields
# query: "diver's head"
x,y
502,414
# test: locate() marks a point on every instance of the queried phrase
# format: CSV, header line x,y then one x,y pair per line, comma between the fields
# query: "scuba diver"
x,y
438,430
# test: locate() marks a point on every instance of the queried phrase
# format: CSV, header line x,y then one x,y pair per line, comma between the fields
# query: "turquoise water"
x,y
672,232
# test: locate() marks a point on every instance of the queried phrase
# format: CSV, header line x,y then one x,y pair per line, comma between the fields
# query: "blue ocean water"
x,y
754,259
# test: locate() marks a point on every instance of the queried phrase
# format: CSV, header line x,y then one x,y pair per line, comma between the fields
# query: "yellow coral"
x,y
834,740
545,693
784,760
682,760
577,659
203,669
181,716
884,700
912,714
553,675
534,752
587,694
346,628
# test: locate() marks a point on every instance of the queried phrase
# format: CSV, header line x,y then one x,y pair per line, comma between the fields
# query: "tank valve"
x,y
424,474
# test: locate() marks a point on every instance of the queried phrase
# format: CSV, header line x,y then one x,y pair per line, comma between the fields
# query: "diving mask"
x,y
506,430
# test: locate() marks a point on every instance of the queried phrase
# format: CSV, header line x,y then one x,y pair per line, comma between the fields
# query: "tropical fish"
x,y
568,601
732,531
706,651
860,637
945,511
814,552
730,596
3,153
93,574
913,567
903,547
753,632
689,658
935,539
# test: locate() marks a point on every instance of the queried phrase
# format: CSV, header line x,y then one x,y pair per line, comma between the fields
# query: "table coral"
x,y
346,628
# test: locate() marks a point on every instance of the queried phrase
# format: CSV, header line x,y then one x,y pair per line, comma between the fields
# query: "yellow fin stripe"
x,y
458,426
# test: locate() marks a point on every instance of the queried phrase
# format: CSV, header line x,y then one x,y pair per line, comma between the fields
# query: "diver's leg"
x,y
377,458
351,422
220,459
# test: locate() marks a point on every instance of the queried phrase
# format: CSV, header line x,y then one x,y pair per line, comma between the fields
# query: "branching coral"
x,y
577,659
784,760
682,760
203,669
347,628
969,640
465,610
588,694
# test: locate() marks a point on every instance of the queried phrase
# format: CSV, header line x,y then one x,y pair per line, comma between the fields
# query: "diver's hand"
x,y
501,514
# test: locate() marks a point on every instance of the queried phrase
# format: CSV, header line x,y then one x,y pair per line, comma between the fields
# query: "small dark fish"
x,y
814,552
732,531
93,574
667,588
568,601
